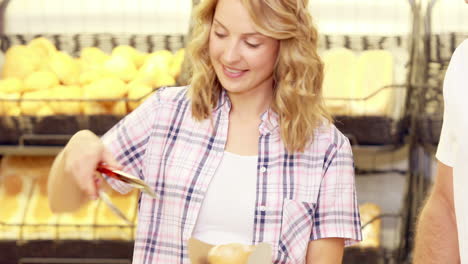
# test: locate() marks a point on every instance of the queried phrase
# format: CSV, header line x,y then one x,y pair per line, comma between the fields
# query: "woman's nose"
x,y
231,53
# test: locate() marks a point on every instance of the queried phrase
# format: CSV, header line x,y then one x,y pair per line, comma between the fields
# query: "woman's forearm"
x,y
325,251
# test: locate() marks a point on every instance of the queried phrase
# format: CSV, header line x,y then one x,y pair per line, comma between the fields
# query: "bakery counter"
x,y
66,251
29,231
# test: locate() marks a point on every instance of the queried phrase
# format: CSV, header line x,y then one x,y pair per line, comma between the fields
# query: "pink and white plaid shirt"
x,y
300,196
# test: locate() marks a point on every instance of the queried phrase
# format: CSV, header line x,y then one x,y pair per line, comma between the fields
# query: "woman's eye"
x,y
219,35
252,45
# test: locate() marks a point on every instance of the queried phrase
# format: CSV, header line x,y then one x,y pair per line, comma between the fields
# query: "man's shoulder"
x,y
460,55
464,46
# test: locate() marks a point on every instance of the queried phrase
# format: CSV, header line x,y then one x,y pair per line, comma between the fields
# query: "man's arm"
x,y
325,251
436,234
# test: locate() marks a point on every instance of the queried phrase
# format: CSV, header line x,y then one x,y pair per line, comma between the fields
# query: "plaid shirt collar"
x,y
270,119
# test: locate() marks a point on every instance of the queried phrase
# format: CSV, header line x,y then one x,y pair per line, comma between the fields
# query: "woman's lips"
x,y
233,73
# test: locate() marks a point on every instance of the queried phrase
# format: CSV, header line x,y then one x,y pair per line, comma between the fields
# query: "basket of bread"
x,y
44,90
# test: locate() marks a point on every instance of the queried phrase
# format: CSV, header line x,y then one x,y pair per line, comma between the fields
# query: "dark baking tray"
x,y
372,130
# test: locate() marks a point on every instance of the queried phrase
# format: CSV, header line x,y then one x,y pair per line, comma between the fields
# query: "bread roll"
x,y
40,80
106,88
130,53
156,64
43,47
138,90
11,85
20,61
92,59
233,253
65,67
121,67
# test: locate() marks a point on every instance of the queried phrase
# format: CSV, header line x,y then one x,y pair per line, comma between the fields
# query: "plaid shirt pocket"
x,y
296,226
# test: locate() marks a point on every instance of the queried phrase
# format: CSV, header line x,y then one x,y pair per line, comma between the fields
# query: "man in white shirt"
x,y
442,230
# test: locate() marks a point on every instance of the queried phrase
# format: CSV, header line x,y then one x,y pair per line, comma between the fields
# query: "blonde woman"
x,y
245,154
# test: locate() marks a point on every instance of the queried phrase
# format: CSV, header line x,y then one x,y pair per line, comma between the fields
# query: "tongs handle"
x,y
127,178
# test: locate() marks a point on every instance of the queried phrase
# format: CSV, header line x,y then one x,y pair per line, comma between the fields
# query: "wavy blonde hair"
x,y
298,71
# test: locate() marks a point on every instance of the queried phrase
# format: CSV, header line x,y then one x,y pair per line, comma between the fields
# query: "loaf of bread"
x,y
14,194
109,225
359,77
374,71
17,177
40,222
26,166
371,232
79,224
339,79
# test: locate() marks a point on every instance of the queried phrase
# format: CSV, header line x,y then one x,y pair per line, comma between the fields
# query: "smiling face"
x,y
243,59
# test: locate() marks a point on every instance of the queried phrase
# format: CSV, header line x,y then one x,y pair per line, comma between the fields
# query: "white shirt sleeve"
x,y
453,86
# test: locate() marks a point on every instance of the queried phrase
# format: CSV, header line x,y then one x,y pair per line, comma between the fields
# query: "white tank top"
x,y
227,212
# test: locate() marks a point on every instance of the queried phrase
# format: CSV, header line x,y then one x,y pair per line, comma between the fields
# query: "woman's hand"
x,y
82,155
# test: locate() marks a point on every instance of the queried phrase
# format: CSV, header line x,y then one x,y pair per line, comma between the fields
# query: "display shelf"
x,y
438,51
116,252
381,116
29,150
372,130
66,252
52,130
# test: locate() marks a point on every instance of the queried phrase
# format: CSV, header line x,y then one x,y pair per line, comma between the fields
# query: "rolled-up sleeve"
x,y
128,139
337,211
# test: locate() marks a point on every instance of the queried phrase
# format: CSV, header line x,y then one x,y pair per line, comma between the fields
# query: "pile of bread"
x,y
25,212
40,72
354,83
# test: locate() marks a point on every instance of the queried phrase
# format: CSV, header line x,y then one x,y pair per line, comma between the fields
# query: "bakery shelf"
x,y
439,49
73,261
363,119
29,150
362,130
73,43
25,132
66,252
371,129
